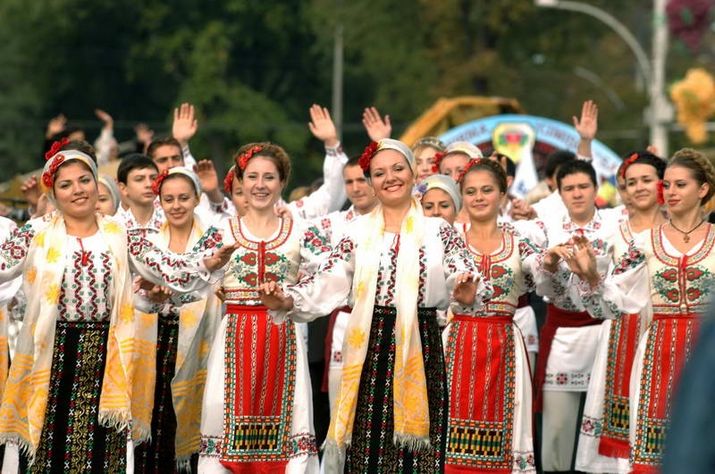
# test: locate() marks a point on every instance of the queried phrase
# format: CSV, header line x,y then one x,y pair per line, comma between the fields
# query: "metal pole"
x,y
338,79
611,21
660,111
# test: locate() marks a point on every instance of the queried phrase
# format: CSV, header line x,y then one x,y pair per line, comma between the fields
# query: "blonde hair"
x,y
700,166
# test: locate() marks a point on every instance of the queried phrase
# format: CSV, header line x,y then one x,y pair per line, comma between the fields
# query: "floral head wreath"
x,y
628,162
228,180
471,164
158,181
242,159
436,160
58,159
56,147
367,156
53,155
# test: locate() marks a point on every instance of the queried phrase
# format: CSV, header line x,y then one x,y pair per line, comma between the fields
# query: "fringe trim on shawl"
x,y
114,419
334,456
413,444
23,446
183,463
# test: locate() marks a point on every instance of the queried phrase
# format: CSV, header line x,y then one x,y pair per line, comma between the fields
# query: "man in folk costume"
x,y
569,337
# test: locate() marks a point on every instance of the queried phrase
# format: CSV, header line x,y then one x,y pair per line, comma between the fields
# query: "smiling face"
x,y
261,183
178,200
424,159
105,205
453,164
481,196
579,195
642,186
682,192
391,178
75,190
437,203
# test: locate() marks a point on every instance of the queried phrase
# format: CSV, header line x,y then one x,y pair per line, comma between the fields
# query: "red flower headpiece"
x,y
472,163
661,198
366,156
156,185
626,163
48,177
228,180
436,160
56,147
242,160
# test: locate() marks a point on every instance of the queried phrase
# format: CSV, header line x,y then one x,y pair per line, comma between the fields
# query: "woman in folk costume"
x,y
440,197
424,151
108,200
257,407
673,270
186,328
395,267
490,413
603,440
82,371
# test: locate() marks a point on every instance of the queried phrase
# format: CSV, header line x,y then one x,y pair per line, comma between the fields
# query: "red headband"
x,y
366,156
472,162
156,185
48,177
228,180
436,160
242,160
56,147
626,163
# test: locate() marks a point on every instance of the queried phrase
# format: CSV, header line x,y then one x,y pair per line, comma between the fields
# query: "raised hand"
x,y
272,297
587,125
322,127
185,124
31,191
144,134
55,126
106,119
220,257
208,177
376,127
465,289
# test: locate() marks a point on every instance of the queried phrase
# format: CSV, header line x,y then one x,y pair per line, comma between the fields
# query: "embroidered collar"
x,y
594,225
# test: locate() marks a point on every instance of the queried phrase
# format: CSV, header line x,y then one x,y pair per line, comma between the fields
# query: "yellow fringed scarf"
x,y
411,412
24,402
198,323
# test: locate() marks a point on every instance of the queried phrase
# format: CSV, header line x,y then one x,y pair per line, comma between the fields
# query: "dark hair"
x,y
573,167
353,161
484,164
556,159
510,165
134,161
700,167
83,146
273,152
645,158
159,142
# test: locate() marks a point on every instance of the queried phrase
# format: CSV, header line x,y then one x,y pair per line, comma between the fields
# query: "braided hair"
x,y
699,165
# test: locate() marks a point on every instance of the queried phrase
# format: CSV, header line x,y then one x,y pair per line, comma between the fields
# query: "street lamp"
x,y
653,72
